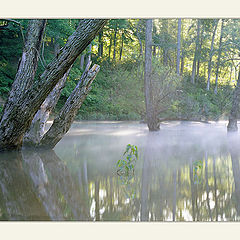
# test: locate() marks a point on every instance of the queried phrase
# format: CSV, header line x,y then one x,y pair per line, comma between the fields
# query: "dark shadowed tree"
x,y
21,108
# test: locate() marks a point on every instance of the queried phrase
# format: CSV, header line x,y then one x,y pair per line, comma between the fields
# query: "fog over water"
x,y
188,171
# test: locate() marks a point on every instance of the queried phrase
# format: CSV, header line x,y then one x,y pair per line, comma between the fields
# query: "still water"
x,y
188,171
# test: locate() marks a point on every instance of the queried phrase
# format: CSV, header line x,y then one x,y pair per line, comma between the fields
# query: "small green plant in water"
x,y
127,163
125,169
197,171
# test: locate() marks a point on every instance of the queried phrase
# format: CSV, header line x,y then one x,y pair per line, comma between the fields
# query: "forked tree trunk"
x,y
232,124
37,128
63,121
152,118
19,111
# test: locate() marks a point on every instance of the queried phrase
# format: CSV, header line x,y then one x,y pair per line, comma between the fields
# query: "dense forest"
x,y
184,69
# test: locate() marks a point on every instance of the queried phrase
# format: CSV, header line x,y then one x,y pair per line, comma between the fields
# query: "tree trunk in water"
x,y
211,55
82,61
152,119
196,52
232,124
178,45
63,121
219,57
12,126
36,131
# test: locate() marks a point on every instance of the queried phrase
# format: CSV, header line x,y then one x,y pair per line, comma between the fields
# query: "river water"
x,y
188,171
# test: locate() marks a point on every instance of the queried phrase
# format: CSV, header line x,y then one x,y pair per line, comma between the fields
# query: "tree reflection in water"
x,y
83,184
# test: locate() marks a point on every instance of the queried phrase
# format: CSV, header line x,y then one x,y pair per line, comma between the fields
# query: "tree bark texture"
x,y
63,121
211,55
232,123
178,45
37,128
152,118
82,61
19,112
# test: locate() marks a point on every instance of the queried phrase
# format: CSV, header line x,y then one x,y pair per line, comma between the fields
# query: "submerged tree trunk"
x,y
178,45
152,118
232,123
211,55
63,121
19,111
219,57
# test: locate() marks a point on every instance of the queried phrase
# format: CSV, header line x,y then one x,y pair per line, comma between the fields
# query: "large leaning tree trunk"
x,y
63,121
232,124
19,112
28,64
37,128
152,117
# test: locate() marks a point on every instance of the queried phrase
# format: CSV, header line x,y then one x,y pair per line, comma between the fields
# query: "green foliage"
x,y
126,165
125,170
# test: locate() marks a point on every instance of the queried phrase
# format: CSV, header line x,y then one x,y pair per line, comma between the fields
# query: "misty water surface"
x,y
79,180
